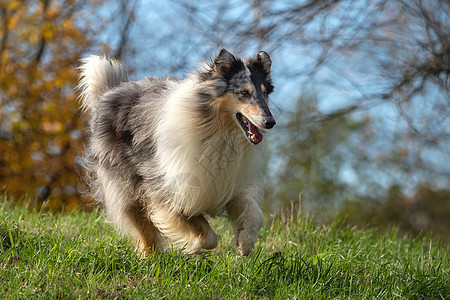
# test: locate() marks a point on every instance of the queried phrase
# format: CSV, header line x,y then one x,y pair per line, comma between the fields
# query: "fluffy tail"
x,y
98,75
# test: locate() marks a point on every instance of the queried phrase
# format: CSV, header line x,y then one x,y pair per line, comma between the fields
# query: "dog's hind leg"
x,y
146,234
125,212
191,234
246,218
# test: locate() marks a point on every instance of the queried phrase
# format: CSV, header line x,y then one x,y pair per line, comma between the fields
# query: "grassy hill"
x,y
79,255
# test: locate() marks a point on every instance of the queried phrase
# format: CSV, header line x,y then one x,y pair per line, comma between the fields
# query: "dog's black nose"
x,y
269,122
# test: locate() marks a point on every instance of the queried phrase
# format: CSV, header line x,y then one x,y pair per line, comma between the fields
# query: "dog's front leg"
x,y
191,234
247,218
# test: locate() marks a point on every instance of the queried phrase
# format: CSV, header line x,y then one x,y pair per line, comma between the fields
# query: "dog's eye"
x,y
245,94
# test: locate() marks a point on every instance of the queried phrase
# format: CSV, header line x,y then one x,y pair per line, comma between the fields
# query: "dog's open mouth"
x,y
252,132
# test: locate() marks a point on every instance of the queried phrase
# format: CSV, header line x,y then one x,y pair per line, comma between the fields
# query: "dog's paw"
x,y
209,241
245,251
246,242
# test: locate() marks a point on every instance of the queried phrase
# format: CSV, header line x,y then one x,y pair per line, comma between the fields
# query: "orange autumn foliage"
x,y
40,127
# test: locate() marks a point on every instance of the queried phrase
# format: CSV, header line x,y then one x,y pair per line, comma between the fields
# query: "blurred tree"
x,y
379,72
383,65
310,158
428,210
40,126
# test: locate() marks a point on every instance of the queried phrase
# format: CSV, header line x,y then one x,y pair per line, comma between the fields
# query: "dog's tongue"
x,y
255,135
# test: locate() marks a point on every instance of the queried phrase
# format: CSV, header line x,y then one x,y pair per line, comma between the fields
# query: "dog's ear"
x,y
264,58
223,62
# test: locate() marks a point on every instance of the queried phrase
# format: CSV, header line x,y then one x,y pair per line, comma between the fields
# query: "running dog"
x,y
164,154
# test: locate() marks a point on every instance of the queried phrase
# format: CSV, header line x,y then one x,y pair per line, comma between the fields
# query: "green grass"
x,y
79,255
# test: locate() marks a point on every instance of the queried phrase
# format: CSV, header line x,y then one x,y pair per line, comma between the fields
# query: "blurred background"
x,y
361,97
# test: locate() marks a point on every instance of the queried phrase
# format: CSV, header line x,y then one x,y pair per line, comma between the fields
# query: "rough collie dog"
x,y
165,154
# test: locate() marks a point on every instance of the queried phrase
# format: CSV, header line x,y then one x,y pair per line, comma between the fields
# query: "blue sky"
x,y
343,80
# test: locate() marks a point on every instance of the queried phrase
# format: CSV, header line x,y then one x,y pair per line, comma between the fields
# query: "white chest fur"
x,y
204,166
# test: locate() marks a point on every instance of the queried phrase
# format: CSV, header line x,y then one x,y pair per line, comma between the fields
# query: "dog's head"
x,y
248,85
